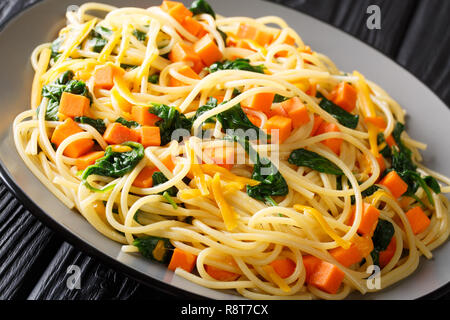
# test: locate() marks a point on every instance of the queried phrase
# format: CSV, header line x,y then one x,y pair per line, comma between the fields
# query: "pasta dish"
x,y
229,150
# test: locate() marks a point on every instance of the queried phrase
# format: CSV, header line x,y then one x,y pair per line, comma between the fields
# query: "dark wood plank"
x,y
34,261
351,16
97,282
426,46
26,246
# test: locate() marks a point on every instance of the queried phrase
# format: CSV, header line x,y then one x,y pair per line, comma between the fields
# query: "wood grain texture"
x,y
34,261
351,16
425,49
96,281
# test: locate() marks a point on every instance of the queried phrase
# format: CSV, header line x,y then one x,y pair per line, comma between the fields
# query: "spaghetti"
x,y
231,151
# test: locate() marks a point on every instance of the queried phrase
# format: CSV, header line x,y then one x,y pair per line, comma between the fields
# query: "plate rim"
x,y
116,265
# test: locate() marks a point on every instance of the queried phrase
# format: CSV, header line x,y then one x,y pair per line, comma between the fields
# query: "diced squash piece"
x,y
378,122
142,116
104,76
297,111
345,95
185,52
176,9
221,275
347,257
289,40
279,125
260,102
223,157
395,184
182,259
245,31
117,133
381,163
264,38
135,135
283,267
73,105
369,219
317,122
386,256
144,178
168,162
333,143
243,44
207,50
277,110
364,245
193,27
88,159
219,98
405,202
150,136
76,148
254,119
327,277
418,220
310,263
185,71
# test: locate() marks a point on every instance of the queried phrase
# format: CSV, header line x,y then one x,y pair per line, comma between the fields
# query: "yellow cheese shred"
x,y
328,230
211,169
368,109
276,278
84,32
199,176
228,214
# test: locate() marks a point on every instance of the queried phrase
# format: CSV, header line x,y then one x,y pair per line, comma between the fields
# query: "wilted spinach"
x,y
201,6
343,117
272,182
381,238
98,124
306,158
154,248
128,123
238,64
401,162
53,92
171,120
114,164
99,38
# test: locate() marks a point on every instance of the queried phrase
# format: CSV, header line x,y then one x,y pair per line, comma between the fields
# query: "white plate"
x,y
428,122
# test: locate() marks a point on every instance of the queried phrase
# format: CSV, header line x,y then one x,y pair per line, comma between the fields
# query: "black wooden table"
x,y
34,260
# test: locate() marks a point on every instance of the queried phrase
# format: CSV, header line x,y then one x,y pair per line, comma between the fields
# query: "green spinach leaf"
x,y
98,124
114,164
306,158
381,238
171,120
201,6
238,64
128,123
53,92
154,78
272,182
154,248
99,38
343,117
140,35
158,178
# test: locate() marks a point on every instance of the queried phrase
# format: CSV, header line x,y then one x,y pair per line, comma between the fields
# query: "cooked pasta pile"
x,y
229,150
